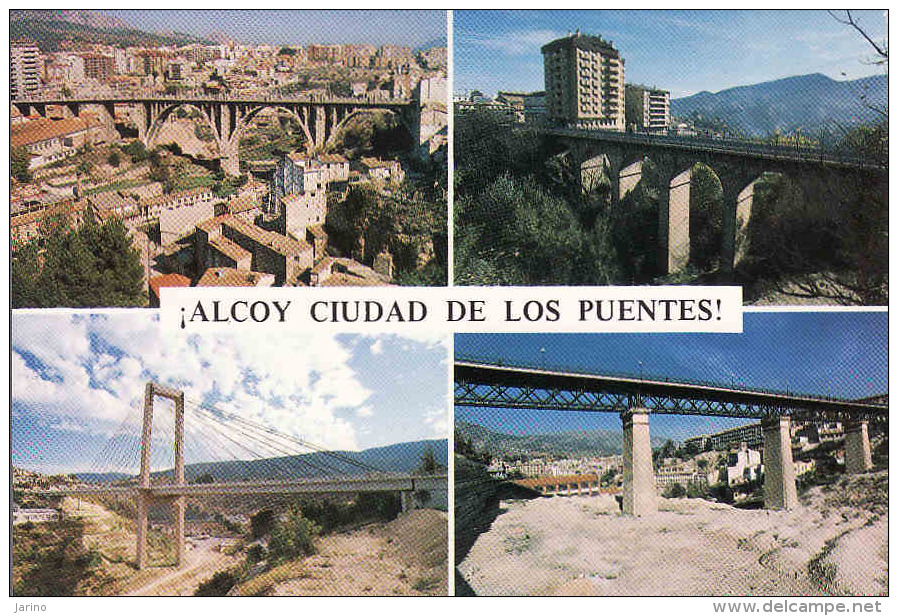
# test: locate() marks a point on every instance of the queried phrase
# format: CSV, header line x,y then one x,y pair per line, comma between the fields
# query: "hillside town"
x,y
732,460
366,206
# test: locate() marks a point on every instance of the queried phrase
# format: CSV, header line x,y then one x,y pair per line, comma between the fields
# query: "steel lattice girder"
x,y
507,387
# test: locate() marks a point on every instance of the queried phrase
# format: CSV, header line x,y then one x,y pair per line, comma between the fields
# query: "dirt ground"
x,y
114,537
404,557
835,543
808,290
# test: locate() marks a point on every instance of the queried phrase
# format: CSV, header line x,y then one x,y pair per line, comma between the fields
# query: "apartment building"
x,y
647,109
584,78
24,69
98,66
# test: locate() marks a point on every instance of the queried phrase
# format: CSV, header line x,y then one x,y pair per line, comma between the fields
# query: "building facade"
x,y
24,69
647,109
584,78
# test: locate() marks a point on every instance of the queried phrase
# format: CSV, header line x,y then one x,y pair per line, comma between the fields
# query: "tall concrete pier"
x,y
639,477
858,456
779,470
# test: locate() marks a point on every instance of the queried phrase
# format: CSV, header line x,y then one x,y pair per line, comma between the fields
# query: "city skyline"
x,y
690,51
844,355
413,28
77,379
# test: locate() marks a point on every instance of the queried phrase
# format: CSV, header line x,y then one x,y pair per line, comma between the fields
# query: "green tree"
x,y
261,523
607,477
668,450
633,226
19,160
705,218
674,490
525,231
84,167
218,586
428,464
136,151
115,158
25,273
293,536
92,266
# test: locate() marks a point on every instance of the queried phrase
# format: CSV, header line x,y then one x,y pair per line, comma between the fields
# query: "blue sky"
x,y
681,51
297,27
78,381
843,354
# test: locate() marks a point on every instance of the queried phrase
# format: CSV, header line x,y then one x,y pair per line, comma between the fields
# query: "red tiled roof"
x,y
168,280
44,128
229,277
63,207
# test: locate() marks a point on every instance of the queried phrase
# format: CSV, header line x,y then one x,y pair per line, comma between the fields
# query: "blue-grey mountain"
x,y
398,458
808,102
575,443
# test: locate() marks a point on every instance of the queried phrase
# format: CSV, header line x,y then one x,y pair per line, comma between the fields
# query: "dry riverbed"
x,y
836,542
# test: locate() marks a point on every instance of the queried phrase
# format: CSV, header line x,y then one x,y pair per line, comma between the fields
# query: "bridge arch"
x,y
705,217
152,134
251,115
357,113
736,235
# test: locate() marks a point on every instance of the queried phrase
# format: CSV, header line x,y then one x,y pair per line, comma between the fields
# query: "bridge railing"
x,y
801,152
385,481
200,96
641,376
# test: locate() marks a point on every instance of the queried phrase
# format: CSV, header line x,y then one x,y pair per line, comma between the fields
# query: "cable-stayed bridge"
x,y
246,458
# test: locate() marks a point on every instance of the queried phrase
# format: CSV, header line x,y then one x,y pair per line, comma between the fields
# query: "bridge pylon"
x,y
144,495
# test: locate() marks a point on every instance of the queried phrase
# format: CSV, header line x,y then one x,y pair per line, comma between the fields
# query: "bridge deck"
x,y
494,386
203,98
387,483
732,147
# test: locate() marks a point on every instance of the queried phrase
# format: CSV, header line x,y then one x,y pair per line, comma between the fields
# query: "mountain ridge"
x,y
811,103
396,458
58,30
573,443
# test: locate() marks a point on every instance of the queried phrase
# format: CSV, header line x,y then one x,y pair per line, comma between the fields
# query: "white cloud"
x,y
266,380
365,411
438,421
519,43
378,347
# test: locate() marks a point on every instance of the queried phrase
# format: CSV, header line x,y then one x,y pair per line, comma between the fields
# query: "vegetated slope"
x,y
573,443
809,102
91,19
58,30
406,556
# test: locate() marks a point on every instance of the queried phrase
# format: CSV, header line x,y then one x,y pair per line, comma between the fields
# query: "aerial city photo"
x,y
224,465
674,147
752,464
160,148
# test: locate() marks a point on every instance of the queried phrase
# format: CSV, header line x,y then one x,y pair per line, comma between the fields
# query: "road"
x,y
203,561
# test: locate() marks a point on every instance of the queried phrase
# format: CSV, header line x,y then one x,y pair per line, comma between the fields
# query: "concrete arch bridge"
x,y
321,118
738,165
